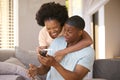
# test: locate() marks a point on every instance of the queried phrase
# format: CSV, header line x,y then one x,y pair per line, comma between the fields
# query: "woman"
x,y
53,16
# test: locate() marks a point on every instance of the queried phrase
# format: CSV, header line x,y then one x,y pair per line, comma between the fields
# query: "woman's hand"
x,y
32,71
59,55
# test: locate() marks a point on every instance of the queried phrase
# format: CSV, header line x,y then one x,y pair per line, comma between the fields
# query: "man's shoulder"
x,y
59,40
87,50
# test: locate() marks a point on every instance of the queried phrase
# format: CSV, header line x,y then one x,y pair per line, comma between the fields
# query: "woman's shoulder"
x,y
43,29
43,32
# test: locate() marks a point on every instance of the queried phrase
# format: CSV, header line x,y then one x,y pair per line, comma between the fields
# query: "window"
x,y
6,24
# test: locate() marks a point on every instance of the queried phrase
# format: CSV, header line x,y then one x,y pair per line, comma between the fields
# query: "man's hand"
x,y
47,61
32,71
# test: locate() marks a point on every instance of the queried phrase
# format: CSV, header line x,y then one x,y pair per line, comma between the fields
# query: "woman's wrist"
x,y
65,51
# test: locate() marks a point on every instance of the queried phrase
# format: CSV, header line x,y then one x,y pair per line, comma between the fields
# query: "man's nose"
x,y
65,34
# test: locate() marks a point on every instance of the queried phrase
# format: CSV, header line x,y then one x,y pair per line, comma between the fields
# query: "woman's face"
x,y
53,27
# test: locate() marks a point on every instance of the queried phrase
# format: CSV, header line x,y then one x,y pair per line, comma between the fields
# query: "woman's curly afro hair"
x,y
52,10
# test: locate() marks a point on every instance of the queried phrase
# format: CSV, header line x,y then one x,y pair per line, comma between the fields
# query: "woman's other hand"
x,y
59,55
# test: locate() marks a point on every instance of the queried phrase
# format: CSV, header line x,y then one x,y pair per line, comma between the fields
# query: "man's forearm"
x,y
42,70
67,75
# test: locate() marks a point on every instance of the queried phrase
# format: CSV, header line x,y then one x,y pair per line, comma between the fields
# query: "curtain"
x,y
6,24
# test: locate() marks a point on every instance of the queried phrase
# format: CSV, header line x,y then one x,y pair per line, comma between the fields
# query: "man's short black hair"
x,y
76,21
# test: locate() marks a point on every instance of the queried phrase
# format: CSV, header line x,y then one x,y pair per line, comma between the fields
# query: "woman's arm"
x,y
44,38
86,41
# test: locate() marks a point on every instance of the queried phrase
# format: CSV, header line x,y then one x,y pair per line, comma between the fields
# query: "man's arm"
x,y
34,70
42,70
77,74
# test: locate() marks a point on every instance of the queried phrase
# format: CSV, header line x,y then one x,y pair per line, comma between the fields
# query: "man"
x,y
75,65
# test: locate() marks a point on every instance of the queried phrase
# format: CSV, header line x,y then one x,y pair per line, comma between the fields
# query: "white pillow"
x,y
15,61
12,69
26,57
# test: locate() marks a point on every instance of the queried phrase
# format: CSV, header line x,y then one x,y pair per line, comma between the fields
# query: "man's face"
x,y
53,27
71,33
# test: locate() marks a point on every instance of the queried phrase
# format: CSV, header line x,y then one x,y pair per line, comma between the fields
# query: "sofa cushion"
x,y
107,69
5,54
11,77
12,69
26,57
15,61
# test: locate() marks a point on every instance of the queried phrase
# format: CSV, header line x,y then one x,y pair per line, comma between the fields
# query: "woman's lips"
x,y
54,35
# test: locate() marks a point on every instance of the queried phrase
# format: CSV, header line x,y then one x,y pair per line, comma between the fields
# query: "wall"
x,y
28,28
27,25
112,29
